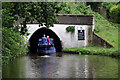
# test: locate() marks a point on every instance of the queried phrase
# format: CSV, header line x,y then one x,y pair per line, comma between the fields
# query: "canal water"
x,y
61,65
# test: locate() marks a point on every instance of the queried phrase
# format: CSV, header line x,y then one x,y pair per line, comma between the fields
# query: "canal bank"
x,y
94,50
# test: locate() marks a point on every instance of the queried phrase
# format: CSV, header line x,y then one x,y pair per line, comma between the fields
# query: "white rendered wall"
x,y
69,40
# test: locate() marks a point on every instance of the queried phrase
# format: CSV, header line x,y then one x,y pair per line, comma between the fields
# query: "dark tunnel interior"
x,y
39,34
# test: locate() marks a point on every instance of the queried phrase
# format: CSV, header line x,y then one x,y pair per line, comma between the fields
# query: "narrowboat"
x,y
44,48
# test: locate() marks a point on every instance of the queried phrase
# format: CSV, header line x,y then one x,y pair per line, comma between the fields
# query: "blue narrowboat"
x,y
44,48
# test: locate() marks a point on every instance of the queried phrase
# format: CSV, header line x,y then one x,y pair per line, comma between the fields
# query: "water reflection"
x,y
61,65
0,72
86,66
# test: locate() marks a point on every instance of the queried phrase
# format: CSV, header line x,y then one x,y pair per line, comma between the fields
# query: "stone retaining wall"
x,y
99,41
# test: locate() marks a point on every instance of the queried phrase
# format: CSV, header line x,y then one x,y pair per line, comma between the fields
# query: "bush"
x,y
13,44
70,29
115,13
95,50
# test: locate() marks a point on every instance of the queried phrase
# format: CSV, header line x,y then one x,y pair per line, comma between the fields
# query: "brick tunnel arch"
x,y
39,34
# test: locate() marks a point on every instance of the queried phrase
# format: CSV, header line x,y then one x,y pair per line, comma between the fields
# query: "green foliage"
x,y
115,13
13,44
107,6
43,12
95,51
70,29
94,5
74,8
7,14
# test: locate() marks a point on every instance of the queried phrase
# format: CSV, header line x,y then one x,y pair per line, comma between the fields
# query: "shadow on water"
x,y
62,65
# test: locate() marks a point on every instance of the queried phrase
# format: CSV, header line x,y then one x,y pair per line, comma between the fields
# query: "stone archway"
x,y
39,34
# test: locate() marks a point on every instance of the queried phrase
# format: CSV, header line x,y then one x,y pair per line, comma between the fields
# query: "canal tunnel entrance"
x,y
39,34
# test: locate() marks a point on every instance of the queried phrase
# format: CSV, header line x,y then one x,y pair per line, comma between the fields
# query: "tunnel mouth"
x,y
39,34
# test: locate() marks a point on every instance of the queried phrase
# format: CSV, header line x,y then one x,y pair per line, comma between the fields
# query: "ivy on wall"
x,y
70,29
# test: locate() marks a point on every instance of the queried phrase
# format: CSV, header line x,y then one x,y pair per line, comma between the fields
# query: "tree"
x,y
115,13
74,8
43,12
107,6
94,5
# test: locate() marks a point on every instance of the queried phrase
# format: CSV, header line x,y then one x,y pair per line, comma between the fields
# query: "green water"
x,y
61,65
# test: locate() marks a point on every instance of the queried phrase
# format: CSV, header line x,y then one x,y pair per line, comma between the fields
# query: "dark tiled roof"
x,y
69,19
75,19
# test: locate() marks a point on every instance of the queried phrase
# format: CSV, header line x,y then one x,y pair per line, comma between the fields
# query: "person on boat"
x,y
48,40
39,42
44,40
51,41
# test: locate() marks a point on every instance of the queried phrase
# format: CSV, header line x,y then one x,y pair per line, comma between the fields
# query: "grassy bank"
x,y
106,29
94,50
